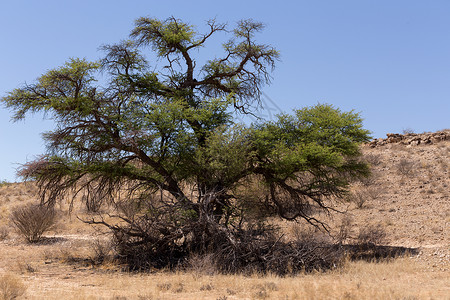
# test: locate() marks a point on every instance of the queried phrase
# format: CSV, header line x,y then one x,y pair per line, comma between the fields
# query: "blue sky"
x,y
389,60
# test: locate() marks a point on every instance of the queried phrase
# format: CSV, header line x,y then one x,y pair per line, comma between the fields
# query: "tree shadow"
x,y
50,240
371,252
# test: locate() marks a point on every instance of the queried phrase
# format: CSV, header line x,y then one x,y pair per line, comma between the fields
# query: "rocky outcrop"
x,y
412,139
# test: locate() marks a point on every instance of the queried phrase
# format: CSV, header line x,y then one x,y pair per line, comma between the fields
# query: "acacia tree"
x,y
163,147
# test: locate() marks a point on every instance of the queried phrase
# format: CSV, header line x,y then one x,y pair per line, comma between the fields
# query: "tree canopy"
x,y
163,147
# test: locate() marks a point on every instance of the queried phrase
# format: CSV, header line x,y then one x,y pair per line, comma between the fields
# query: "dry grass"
x,y
356,280
11,287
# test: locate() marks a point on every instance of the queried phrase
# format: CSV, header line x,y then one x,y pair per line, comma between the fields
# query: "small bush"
x,y
33,220
373,192
405,167
373,159
371,235
345,229
25,267
93,204
408,131
11,287
359,198
165,286
178,288
261,294
202,264
102,252
370,180
4,232
231,292
207,287
271,286
362,194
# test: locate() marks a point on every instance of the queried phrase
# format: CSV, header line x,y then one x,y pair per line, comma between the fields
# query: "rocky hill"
x,y
412,139
408,195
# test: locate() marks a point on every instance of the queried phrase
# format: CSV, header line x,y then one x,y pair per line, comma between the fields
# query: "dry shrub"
x,y
374,192
443,162
93,204
360,196
269,253
344,230
249,251
164,286
33,220
370,180
231,292
11,287
271,286
261,294
102,252
202,264
178,288
408,130
373,159
371,235
4,232
25,267
405,167
263,290
207,287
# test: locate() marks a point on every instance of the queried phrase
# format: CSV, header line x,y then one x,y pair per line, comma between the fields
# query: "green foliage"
x,y
225,158
164,36
315,137
64,91
168,137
